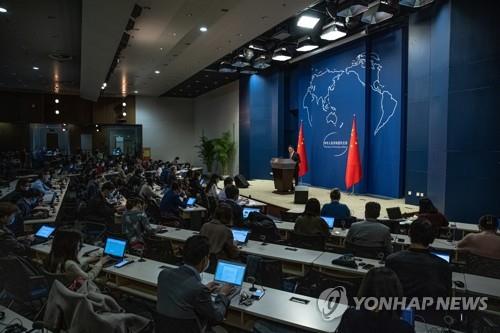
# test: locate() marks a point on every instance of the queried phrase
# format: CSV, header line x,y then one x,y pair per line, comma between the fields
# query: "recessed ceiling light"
x,y
104,84
161,48
307,21
36,68
56,111
136,91
203,29
96,125
64,130
97,130
124,104
64,124
3,10
157,72
124,114
56,101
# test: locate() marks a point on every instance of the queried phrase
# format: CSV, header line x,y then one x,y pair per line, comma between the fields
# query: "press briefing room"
x,y
265,166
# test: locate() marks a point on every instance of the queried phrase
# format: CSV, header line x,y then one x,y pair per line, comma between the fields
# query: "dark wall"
x,y
453,141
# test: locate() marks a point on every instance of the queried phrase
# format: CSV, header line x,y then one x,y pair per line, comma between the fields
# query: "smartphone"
x,y
258,294
123,263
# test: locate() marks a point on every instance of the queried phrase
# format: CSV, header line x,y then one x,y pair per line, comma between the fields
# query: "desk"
x,y
5,191
140,279
324,264
477,285
29,225
194,214
12,317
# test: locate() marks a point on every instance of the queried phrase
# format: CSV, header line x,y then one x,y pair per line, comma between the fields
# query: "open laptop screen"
x,y
115,247
329,220
191,201
442,255
45,231
230,272
240,235
248,210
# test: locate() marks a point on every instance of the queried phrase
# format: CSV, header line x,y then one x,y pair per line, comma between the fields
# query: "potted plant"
x,y
224,148
206,152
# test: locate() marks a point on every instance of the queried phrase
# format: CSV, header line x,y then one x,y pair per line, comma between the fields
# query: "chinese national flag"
x,y
353,172
301,150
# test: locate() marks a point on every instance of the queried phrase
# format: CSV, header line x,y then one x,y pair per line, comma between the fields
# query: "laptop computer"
x,y
443,255
229,272
191,202
394,213
408,315
43,234
115,248
329,220
248,210
240,235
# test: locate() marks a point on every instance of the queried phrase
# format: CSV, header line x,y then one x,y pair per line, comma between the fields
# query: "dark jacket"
x,y
363,321
10,245
336,209
237,211
98,207
170,204
311,225
182,296
421,273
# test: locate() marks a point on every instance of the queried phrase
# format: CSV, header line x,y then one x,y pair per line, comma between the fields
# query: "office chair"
x,y
311,242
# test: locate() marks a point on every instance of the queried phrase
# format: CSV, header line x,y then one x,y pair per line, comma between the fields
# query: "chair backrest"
x,y
288,216
175,324
483,266
270,273
373,252
344,223
393,225
20,277
159,250
311,242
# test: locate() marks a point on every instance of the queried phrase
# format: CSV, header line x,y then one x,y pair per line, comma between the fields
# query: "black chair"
x,y
393,225
483,266
311,242
160,250
373,252
92,232
344,223
23,283
169,324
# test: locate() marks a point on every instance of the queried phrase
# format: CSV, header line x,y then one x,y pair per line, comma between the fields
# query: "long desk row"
x,y
10,318
140,279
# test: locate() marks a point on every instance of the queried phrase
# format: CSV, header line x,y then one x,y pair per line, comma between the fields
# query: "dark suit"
x,y
296,158
182,297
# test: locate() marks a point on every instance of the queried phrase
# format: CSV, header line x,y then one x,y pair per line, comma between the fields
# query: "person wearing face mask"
x,y
63,257
135,224
99,206
185,303
9,244
42,183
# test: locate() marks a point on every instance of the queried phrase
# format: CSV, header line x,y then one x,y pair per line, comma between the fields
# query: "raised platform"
x,y
262,190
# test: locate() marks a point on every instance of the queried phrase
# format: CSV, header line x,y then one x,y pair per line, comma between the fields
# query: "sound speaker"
x,y
241,181
301,194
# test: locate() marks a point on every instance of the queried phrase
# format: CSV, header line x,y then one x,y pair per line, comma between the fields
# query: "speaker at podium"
x,y
283,172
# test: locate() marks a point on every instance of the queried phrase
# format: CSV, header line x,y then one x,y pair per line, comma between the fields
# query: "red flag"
x,y
301,150
353,172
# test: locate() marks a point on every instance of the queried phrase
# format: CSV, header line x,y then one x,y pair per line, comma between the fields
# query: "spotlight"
x,y
64,124
226,67
124,104
96,125
203,29
157,72
104,84
307,21
56,101
248,70
56,111
3,10
64,129
36,68
97,130
281,54
240,61
415,3
261,62
136,91
379,12
257,47
306,44
332,32
124,114
352,8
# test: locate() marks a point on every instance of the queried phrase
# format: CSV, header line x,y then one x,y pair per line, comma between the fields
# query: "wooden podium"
x,y
283,173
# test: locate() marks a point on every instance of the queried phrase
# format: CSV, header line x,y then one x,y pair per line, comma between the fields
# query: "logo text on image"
x,y
332,302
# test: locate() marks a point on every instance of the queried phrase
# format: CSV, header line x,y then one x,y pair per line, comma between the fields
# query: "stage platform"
x,y
262,190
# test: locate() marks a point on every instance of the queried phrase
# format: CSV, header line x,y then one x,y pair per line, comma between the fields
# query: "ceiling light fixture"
x,y
36,68
56,101
380,11
352,8
3,10
332,32
124,114
96,125
203,29
262,62
157,72
136,91
104,84
415,3
124,104
240,61
64,129
97,130
307,21
226,67
56,111
281,54
248,70
257,47
306,44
